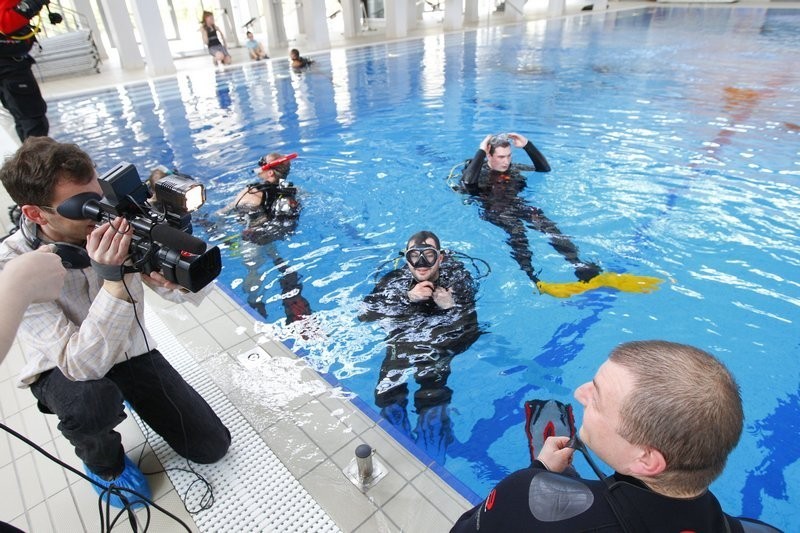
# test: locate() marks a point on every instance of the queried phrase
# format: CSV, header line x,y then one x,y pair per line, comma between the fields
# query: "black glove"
x,y
29,8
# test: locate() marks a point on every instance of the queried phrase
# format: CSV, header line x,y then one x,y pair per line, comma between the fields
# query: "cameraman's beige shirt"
x,y
85,331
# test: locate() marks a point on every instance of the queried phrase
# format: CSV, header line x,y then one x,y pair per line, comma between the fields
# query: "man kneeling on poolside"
x,y
86,351
665,416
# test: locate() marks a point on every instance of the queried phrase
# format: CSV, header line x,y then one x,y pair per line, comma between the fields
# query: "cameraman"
x,y
19,91
86,351
428,313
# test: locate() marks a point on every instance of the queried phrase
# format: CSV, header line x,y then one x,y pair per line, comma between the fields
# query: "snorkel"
x,y
279,161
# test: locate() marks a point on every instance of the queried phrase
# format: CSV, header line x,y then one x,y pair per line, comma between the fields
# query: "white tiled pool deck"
x,y
294,434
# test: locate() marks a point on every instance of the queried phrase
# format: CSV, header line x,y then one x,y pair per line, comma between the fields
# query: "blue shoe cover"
x,y
131,478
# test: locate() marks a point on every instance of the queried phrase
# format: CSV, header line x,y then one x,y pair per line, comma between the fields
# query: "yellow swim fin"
x,y
621,282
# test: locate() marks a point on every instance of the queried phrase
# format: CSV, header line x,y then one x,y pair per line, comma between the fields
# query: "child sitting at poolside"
x,y
255,48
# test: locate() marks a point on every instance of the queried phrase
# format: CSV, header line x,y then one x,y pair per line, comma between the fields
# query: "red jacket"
x,y
10,20
12,24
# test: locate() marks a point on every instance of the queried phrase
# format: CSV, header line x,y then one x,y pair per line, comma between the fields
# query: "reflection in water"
x,y
777,433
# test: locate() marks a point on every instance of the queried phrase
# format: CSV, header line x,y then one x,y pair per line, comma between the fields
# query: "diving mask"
x,y
422,256
501,138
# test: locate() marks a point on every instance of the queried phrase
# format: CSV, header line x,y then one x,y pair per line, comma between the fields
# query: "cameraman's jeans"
x,y
88,411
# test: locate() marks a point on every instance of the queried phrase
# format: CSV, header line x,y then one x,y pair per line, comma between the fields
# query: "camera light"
x,y
181,193
195,197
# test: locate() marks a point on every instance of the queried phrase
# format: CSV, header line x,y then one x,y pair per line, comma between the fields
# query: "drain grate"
x,y
253,490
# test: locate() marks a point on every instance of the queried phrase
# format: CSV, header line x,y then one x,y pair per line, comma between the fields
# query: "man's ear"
x,y
649,463
35,214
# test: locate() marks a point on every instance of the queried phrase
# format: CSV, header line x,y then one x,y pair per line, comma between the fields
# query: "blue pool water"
x,y
673,137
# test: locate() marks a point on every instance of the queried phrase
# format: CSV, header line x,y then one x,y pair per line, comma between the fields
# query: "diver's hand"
x,y
518,140
421,291
485,143
443,298
555,454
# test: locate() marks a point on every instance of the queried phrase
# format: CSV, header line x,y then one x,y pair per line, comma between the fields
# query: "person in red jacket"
x,y
19,92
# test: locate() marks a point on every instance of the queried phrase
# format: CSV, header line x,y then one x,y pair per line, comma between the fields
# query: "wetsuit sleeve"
x,y
463,286
538,159
383,297
469,178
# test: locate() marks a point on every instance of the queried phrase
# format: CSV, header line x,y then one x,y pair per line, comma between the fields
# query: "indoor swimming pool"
x,y
672,134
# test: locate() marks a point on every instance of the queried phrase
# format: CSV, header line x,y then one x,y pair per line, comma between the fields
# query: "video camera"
x,y
159,243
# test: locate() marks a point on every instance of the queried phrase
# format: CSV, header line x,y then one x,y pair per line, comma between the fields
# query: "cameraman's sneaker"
x,y
131,478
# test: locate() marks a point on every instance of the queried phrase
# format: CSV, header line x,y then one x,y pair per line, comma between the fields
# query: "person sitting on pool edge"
x,y
270,210
493,179
255,48
665,417
214,39
427,309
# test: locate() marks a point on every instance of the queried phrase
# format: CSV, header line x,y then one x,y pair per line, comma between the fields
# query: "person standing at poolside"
x,y
214,39
427,310
19,91
496,182
665,417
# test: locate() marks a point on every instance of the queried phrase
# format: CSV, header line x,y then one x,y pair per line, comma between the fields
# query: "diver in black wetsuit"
x,y
271,210
493,179
665,416
297,61
428,313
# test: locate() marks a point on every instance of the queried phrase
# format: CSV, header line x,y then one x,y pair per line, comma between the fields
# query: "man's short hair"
x,y
686,405
30,175
421,236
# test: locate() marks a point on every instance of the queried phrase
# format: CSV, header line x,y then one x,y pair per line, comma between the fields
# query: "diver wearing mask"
x,y
427,310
